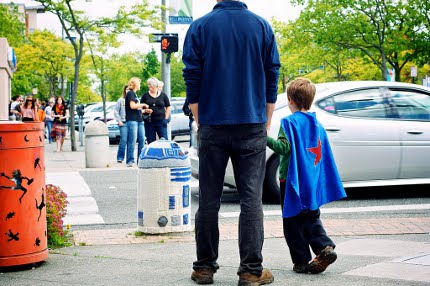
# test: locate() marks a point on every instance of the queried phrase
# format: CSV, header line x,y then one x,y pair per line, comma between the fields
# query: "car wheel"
x,y
271,190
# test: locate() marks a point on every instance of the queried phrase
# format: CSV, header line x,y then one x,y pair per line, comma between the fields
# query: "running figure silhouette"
x,y
41,206
13,236
17,179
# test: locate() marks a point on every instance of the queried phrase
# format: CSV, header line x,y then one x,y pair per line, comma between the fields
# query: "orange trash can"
x,y
23,230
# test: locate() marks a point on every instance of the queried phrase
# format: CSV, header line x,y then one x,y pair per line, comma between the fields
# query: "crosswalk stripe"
x,y
82,208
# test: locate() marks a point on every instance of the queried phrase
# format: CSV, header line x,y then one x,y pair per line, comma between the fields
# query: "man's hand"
x,y
195,111
270,107
268,122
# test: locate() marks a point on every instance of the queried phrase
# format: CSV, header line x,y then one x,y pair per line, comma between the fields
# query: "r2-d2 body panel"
x,y
163,190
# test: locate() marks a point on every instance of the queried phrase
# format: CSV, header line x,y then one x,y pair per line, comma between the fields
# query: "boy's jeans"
x,y
302,231
136,131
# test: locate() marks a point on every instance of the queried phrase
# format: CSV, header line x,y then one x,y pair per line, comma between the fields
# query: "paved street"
x,y
380,241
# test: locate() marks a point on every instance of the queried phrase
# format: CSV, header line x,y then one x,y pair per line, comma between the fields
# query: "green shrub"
x,y
56,203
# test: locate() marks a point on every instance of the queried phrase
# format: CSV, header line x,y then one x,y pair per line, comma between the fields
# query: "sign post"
x,y
414,73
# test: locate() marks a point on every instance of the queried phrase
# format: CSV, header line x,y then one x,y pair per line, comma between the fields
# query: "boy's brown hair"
x,y
302,92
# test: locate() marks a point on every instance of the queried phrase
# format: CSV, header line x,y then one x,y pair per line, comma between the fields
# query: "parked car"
x,y
379,133
179,122
93,112
113,129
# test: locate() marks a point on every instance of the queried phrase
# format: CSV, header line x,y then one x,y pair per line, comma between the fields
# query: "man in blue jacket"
x,y
231,74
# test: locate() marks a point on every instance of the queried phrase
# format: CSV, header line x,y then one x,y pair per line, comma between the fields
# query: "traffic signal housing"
x,y
169,44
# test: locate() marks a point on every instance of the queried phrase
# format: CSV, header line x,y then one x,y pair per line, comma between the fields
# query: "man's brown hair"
x,y
302,92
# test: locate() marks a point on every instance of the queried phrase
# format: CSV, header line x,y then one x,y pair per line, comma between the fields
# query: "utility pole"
x,y
165,67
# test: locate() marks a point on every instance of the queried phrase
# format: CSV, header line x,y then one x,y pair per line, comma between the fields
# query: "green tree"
x,y
43,61
77,25
177,84
151,65
11,27
119,70
381,30
301,56
98,47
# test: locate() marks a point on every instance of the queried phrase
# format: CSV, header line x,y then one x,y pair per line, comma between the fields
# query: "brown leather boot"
x,y
248,279
301,267
203,276
320,263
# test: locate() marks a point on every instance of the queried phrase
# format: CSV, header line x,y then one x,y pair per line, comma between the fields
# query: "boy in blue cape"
x,y
308,179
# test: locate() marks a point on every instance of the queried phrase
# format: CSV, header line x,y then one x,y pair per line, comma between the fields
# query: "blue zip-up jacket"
x,y
231,65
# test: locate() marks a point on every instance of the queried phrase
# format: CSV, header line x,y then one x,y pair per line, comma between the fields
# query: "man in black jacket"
x,y
187,111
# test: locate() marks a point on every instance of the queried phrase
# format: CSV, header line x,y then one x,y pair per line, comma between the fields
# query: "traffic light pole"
x,y
165,66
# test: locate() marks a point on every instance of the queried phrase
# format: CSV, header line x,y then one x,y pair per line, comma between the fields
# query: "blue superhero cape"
x,y
313,179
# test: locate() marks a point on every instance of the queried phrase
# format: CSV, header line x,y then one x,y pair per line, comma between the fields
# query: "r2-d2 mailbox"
x,y
163,190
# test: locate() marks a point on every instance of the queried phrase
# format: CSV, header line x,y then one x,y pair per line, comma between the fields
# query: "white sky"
x,y
279,9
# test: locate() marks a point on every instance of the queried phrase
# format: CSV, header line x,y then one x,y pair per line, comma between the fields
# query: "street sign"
x,y
414,72
156,37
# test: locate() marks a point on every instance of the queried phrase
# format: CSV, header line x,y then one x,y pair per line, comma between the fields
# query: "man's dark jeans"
x,y
245,144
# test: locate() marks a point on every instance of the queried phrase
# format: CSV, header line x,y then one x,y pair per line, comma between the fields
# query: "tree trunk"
x,y
383,65
102,87
104,98
74,93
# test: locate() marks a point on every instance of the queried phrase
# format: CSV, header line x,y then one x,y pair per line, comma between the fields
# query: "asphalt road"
x,y
115,192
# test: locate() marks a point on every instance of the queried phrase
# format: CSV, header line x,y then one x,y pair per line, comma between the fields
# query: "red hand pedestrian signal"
x,y
169,44
165,44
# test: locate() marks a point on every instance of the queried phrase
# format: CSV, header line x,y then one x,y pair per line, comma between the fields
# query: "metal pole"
x,y
81,130
165,67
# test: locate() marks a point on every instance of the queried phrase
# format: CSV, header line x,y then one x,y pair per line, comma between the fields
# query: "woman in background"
x,y
61,114
49,120
119,115
40,114
28,112
159,106
133,115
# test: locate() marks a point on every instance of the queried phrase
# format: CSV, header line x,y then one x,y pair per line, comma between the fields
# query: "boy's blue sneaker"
x,y
320,263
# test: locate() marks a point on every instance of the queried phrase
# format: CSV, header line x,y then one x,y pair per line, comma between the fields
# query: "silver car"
x,y
179,121
379,133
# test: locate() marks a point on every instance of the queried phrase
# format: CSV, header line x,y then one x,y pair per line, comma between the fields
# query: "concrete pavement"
x,y
378,251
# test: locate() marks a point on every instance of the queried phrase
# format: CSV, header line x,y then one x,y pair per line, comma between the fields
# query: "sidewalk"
x,y
380,251
68,161
375,260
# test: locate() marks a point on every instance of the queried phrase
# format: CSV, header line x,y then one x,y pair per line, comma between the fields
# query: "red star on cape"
x,y
316,151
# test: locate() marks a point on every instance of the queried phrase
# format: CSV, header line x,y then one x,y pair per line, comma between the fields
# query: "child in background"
x,y
308,179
